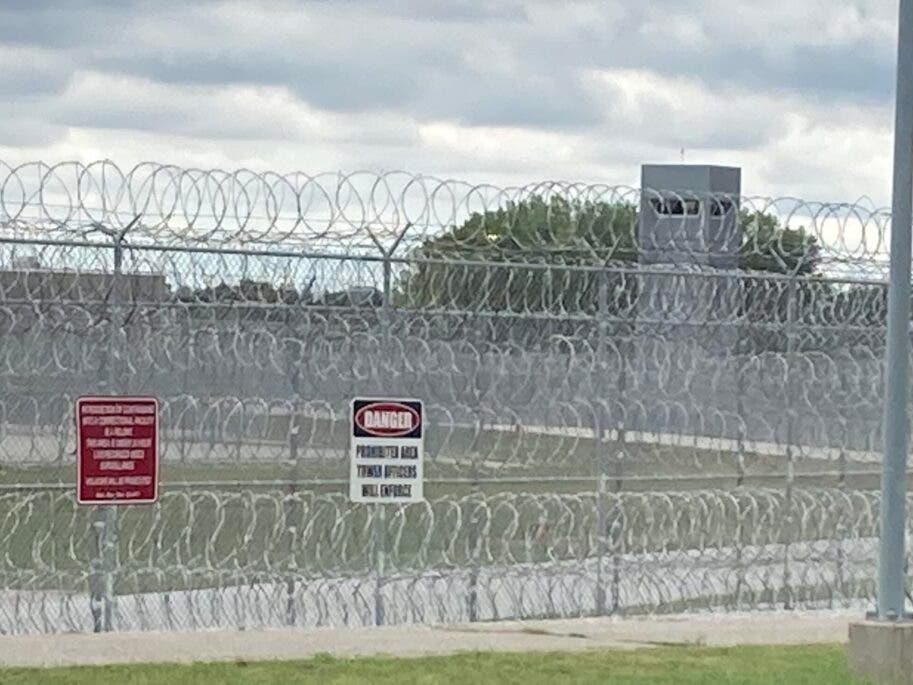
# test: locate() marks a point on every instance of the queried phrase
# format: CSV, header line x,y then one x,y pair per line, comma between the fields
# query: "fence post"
x,y
626,346
841,520
380,509
380,561
599,443
186,434
475,537
788,513
109,564
740,473
104,567
741,432
294,513
618,522
96,573
475,549
294,507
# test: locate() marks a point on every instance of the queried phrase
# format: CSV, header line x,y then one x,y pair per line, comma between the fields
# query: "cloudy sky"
x,y
797,92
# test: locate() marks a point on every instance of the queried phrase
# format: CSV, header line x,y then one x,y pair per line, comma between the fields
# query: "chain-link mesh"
x,y
617,421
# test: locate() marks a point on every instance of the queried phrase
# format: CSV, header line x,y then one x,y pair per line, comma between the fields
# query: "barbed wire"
x,y
591,389
255,559
397,212
237,386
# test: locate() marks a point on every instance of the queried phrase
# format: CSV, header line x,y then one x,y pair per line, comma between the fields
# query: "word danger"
x,y
396,420
387,419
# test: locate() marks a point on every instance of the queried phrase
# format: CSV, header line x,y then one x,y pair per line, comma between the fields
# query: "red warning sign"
x,y
117,450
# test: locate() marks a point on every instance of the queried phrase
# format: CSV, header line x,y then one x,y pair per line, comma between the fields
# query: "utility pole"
x,y
896,427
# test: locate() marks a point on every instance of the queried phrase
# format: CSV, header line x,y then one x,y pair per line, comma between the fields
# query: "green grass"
x,y
680,665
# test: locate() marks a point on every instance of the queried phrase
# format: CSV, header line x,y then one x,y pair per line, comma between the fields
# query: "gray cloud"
x,y
25,132
372,75
26,72
473,11
364,54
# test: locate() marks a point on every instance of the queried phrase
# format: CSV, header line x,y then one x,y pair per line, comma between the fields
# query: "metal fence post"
x,y
475,537
841,528
380,561
892,557
788,512
627,347
740,472
96,573
475,550
741,432
294,514
294,507
618,521
186,431
109,565
600,445
105,524
380,517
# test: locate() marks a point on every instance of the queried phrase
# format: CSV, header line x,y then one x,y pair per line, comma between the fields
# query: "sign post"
x,y
386,466
116,463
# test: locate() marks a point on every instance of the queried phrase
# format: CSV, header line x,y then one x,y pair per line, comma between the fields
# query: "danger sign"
x,y
386,419
386,451
117,450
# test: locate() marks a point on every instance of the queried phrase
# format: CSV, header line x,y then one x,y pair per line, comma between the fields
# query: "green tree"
x,y
243,300
768,246
556,250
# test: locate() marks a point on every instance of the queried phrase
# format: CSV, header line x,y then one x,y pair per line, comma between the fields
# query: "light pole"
x,y
896,428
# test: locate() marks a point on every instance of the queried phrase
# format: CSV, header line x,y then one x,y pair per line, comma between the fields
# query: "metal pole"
x,y
600,443
841,528
107,523
293,512
380,561
740,469
896,429
475,550
380,518
788,509
628,348
119,369
293,509
475,536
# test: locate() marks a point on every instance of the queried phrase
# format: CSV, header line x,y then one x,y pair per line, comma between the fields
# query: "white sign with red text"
x,y
387,451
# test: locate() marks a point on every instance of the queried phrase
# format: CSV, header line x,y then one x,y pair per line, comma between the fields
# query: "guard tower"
x,y
689,236
689,215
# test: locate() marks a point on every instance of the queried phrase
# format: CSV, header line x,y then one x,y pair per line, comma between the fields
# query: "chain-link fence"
x,y
606,433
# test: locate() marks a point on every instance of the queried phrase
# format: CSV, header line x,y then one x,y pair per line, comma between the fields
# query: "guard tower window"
x,y
720,207
676,206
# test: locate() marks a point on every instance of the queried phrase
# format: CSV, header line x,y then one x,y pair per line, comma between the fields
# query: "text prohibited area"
x,y
386,451
117,445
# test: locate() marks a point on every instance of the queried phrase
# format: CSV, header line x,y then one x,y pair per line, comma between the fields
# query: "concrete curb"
x,y
509,636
